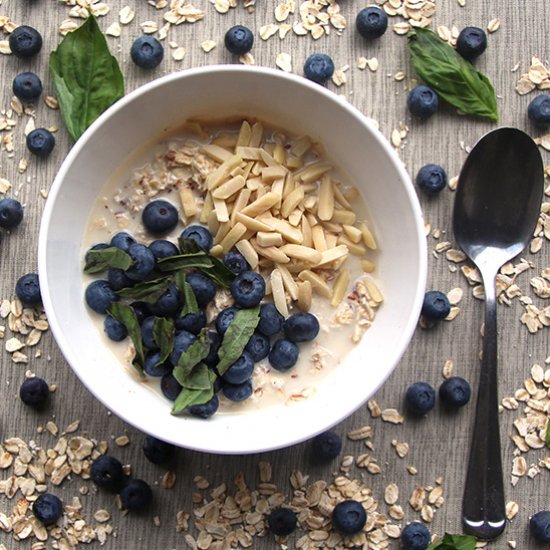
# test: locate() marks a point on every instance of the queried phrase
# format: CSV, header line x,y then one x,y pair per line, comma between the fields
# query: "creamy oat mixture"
x,y
280,202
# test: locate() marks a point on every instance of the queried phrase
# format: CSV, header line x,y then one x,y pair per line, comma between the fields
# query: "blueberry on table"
x,y
182,341
539,111
349,517
224,318
240,371
136,495
248,289
40,142
471,42
117,279
158,451
415,536
100,295
162,248
258,346
422,101
192,322
170,387
114,329
420,397
122,241
27,289
147,333
160,217
319,68
34,392
282,521
168,303
203,287
107,473
301,327
539,526
147,52
239,40
25,41
200,235
455,392
235,262
27,86
152,367
271,321
283,355
47,508
206,410
371,22
326,445
144,262
11,213
431,179
237,392
436,306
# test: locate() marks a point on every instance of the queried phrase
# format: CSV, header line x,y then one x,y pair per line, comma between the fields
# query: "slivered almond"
x,y
333,254
229,188
290,285
278,292
249,153
302,253
217,250
293,199
278,188
304,296
325,206
233,236
295,217
213,223
353,233
306,232
340,287
270,173
339,197
269,239
244,135
373,290
261,205
223,230
269,160
187,200
221,210
289,233
368,237
279,154
249,253
216,152
254,224
301,146
222,171
240,202
207,207
272,253
355,249
318,238
344,217
312,172
318,284
256,134
367,266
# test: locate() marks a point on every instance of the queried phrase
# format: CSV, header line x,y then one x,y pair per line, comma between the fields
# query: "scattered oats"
x,y
512,508
401,448
427,513
247,59
149,27
374,408
461,3
30,126
5,47
339,76
179,53
102,516
512,544
360,433
455,295
455,256
417,498
267,31
201,482
284,29
453,313
5,186
122,440
67,26
52,428
373,64
391,494
401,28
392,416
14,344
283,62
19,357
347,462
126,15
399,76
113,29
453,182
72,427
362,63
396,138
168,480
208,45
23,163
493,25
412,470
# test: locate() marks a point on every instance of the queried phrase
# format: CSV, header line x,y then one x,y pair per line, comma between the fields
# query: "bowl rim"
x,y
63,342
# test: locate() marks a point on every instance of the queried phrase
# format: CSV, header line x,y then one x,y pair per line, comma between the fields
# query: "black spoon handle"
x,y
483,510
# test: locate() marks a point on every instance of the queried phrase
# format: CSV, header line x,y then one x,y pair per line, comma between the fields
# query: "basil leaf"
x,y
198,260
454,79
105,258
127,316
86,77
194,354
147,290
454,542
199,379
188,397
163,334
189,299
237,336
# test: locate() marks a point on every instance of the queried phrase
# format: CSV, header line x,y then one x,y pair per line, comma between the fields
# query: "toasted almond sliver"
x,y
345,217
229,188
325,206
221,173
250,255
256,134
339,197
333,254
318,238
293,199
261,205
340,287
289,282
273,253
289,233
302,253
354,234
373,290
306,232
187,200
300,146
314,171
269,239
318,284
249,153
216,152
221,210
254,224
368,237
244,135
223,230
233,236
304,296
240,202
270,173
367,266
207,207
278,291
355,249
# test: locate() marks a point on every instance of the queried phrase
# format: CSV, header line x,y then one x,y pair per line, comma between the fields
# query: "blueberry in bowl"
x,y
160,217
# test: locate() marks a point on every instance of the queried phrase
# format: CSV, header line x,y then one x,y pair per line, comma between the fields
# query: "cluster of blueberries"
x,y
247,290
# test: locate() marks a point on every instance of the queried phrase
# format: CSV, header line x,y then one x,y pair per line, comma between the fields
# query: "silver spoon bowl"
x,y
496,208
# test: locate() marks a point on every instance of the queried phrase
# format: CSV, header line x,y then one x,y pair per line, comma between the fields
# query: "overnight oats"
x,y
230,266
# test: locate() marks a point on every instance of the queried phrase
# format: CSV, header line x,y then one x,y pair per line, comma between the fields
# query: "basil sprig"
x,y
146,290
86,77
127,316
454,542
189,299
163,334
201,392
105,258
191,357
454,79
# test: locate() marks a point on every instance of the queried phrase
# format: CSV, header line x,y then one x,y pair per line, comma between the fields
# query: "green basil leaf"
x,y
147,290
104,258
163,334
454,79
454,542
189,299
197,260
199,379
194,354
86,77
188,397
127,316
236,337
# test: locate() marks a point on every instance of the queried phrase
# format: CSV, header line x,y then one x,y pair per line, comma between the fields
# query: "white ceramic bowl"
x,y
289,102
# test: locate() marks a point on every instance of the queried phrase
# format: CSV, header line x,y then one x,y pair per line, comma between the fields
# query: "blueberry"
x,y
122,240
142,310
471,42
422,101
144,262
200,235
371,22
117,279
282,521
147,52
539,525
160,217
539,111
163,249
206,410
420,397
258,347
114,329
237,392
235,262
436,306
27,86
27,289
11,213
47,508
415,536
301,327
319,67
182,341
240,371
158,451
170,387
34,392
224,318
40,142
212,358
203,287
239,40
248,289
136,495
152,369
271,321
455,392
100,295
326,445
25,41
147,333
168,303
283,355
107,473
431,178
192,322
349,517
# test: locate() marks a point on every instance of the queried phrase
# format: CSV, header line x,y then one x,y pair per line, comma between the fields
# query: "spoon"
x,y
495,212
